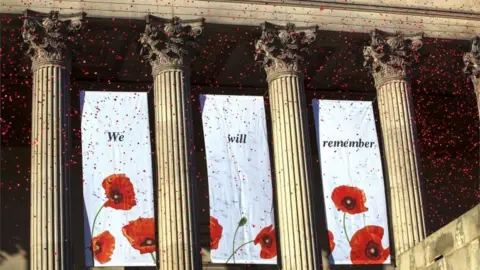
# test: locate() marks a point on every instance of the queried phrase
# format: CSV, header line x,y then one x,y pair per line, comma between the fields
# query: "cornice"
x,y
458,23
347,6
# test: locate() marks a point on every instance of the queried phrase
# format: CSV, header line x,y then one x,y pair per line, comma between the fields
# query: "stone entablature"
x,y
351,16
458,6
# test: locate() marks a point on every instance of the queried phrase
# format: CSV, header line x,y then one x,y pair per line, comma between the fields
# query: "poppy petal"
x,y
103,246
386,253
119,192
215,232
268,242
141,234
376,230
358,255
331,241
267,254
349,199
366,246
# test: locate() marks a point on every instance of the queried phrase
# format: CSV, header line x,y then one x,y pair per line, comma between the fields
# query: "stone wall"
x,y
15,207
456,246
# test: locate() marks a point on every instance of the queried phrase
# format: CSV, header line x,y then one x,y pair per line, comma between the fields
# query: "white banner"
x,y
117,175
242,228
353,185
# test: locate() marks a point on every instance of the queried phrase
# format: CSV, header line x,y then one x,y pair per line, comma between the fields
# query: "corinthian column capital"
x,y
280,49
46,35
472,61
167,43
389,55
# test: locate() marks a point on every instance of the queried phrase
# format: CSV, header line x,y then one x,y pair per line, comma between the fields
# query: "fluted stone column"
x,y
50,239
280,49
388,58
472,67
166,44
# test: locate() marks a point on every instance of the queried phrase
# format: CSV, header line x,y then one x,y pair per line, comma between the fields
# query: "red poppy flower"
x,y
367,247
119,191
330,241
103,246
215,232
141,234
267,240
349,199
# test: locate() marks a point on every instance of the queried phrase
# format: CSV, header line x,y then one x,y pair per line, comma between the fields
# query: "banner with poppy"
x,y
242,228
119,225
352,181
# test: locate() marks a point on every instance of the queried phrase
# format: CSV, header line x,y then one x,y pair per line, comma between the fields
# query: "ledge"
x,y
455,246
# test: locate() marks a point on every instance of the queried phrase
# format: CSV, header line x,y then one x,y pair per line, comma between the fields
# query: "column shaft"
x,y
401,155
50,199
176,178
388,58
165,44
293,172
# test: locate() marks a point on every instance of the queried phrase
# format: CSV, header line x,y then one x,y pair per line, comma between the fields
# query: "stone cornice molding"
x,y
389,55
46,36
166,43
471,60
280,48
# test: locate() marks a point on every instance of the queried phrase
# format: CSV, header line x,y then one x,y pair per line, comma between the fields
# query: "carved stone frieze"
x,y
45,35
389,55
472,61
168,43
281,49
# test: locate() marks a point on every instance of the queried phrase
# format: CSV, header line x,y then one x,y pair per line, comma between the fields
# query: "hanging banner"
x,y
117,177
242,228
352,180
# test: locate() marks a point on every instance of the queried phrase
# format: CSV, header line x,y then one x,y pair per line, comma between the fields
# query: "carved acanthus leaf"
x,y
46,35
282,48
389,55
472,60
168,42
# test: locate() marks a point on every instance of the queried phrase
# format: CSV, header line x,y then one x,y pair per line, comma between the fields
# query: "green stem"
x,y
344,227
95,219
153,258
238,249
233,245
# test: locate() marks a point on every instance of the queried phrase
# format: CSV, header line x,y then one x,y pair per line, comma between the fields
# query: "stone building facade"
x,y
138,45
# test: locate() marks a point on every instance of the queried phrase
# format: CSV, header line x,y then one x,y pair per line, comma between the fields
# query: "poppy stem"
x,y
238,249
241,223
233,245
153,258
344,227
95,219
